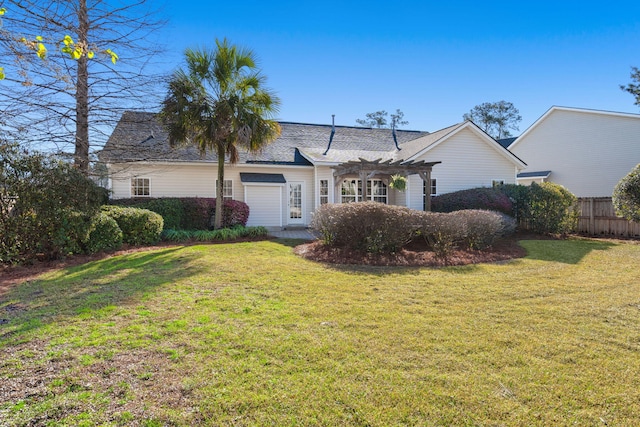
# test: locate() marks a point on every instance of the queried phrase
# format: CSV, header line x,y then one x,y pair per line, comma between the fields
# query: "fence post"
x,y
592,218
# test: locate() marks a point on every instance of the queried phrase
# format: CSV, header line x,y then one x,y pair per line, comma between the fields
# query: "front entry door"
x,y
295,203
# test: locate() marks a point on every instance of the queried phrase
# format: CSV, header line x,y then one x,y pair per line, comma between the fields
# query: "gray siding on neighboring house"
x,y
587,151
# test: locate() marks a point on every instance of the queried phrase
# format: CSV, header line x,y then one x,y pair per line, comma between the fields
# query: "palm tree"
x,y
219,103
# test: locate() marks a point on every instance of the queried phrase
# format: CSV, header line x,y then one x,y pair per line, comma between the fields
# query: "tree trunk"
x,y
81,156
219,187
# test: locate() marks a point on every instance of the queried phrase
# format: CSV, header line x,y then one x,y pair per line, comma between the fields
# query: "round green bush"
x,y
626,196
139,226
104,234
552,209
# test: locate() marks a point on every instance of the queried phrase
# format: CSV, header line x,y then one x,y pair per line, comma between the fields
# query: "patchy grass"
x,y
250,334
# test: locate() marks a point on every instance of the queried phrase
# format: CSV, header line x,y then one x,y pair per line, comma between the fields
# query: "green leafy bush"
x,y
626,196
104,234
139,226
491,199
191,213
223,234
365,226
552,209
520,197
46,206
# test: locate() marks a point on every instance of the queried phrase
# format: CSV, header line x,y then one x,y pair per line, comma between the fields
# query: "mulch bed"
x,y
416,254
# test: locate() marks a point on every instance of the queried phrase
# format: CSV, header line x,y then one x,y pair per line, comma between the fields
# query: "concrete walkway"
x,y
293,234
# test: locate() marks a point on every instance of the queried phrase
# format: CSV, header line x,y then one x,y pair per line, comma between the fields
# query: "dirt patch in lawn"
x,y
416,254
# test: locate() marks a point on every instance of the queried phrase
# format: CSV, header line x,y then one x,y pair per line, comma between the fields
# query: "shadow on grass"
x,y
90,287
565,251
292,243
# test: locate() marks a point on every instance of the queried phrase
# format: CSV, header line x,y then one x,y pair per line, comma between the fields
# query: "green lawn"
x,y
250,334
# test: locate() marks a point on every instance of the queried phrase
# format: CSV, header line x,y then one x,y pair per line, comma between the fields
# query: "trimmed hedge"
x,y
191,213
222,234
139,226
365,226
104,234
377,228
552,209
484,198
545,208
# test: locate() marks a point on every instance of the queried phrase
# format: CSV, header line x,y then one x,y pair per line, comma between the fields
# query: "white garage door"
x,y
265,205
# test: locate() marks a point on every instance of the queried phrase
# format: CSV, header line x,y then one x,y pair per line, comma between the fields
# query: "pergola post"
x,y
363,182
426,178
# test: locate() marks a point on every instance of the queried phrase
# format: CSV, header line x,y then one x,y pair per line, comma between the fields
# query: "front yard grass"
x,y
249,334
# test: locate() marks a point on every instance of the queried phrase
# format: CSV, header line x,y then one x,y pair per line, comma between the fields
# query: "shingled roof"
x,y
140,136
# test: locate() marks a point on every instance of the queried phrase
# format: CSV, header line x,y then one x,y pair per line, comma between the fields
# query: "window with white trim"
x,y
350,190
433,190
140,187
324,191
227,189
377,191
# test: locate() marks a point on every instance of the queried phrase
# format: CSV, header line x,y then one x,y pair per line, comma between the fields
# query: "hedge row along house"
x,y
307,166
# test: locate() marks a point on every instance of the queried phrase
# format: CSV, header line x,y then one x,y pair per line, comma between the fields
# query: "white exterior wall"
x,y
193,180
198,180
586,152
266,199
468,161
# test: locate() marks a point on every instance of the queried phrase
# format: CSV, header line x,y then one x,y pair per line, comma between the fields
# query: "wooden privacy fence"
x,y
597,217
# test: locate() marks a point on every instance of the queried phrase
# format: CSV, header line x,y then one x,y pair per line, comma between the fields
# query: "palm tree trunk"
x,y
219,187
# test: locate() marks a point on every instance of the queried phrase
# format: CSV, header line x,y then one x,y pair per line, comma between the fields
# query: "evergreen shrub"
x,y
139,226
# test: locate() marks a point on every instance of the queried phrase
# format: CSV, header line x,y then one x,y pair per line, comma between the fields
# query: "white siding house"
x,y
586,151
286,182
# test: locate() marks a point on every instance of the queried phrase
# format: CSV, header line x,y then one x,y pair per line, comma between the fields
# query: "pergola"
x,y
366,170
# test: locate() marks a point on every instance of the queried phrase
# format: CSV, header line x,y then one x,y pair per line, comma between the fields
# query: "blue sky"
x,y
433,60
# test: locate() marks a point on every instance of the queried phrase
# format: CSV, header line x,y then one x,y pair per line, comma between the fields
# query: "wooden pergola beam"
x,y
365,170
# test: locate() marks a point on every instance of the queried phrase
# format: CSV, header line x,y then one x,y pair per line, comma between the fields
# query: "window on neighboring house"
x,y
377,191
140,187
227,189
324,191
497,183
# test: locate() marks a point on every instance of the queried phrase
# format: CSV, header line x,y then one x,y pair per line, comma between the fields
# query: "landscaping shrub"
x,y
442,232
552,209
46,206
104,234
365,226
481,228
484,198
520,197
139,226
237,232
626,196
191,213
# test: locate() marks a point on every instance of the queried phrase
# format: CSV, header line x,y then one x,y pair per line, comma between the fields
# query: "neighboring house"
x,y
586,151
307,166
